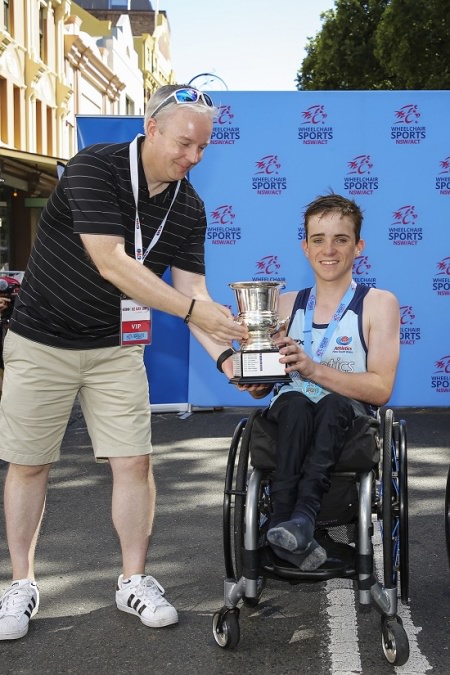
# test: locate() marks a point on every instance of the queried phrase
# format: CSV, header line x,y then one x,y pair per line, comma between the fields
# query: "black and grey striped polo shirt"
x,y
64,302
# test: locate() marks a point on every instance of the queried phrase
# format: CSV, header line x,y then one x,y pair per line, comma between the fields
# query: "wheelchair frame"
x,y
382,495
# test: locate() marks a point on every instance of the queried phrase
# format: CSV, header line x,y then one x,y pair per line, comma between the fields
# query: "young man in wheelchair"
x,y
341,348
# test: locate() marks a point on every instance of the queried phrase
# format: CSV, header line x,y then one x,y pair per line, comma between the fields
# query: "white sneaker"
x,y
18,604
143,596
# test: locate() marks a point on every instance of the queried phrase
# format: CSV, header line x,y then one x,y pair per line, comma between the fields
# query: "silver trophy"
x,y
257,361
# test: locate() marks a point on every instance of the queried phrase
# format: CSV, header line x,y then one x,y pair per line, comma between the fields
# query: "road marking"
x,y
417,663
343,646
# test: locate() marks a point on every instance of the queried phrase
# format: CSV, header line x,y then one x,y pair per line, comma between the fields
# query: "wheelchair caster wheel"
x,y
394,642
226,628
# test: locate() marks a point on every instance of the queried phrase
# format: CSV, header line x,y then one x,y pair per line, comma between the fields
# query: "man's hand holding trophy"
x,y
257,362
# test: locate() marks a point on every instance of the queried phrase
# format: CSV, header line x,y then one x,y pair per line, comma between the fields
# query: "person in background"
x,y
330,385
121,214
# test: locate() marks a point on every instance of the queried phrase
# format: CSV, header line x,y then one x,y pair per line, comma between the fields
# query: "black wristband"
x,y
188,315
223,357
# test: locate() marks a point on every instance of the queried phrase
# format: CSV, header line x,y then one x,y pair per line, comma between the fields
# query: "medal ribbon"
x,y
337,316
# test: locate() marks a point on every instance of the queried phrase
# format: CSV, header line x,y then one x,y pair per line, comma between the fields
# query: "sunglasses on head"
x,y
185,95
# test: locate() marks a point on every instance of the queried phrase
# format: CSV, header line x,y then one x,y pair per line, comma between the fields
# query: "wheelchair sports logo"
x,y
440,380
402,231
409,331
360,271
266,178
442,180
407,114
359,179
441,279
222,230
224,130
406,130
313,129
268,269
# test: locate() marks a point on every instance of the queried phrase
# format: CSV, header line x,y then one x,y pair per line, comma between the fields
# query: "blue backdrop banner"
x,y
271,154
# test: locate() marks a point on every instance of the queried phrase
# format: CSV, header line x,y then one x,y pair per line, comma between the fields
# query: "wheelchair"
x,y
368,485
447,516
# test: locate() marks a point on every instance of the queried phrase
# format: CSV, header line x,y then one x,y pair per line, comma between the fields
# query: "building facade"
x,y
58,59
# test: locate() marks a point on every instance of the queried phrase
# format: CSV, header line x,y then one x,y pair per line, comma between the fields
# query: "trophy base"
x,y
258,367
263,379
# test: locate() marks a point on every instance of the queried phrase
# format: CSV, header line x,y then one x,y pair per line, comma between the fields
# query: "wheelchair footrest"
x,y
340,562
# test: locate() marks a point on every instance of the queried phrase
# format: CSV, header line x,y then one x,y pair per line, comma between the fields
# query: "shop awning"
x,y
29,171
40,162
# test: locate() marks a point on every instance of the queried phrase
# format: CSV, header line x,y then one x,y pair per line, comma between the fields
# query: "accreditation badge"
x,y
135,323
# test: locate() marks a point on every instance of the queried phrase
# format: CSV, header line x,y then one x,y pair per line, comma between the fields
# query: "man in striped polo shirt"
x,y
120,215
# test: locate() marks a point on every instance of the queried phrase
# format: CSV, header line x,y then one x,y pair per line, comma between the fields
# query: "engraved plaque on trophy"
x,y
257,360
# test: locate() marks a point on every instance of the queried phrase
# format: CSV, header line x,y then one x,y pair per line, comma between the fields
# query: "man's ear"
x,y
150,127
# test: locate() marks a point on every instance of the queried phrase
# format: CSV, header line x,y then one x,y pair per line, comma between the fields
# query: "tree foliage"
x,y
380,44
413,43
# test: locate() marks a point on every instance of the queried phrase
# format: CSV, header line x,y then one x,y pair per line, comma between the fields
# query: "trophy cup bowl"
x,y
257,361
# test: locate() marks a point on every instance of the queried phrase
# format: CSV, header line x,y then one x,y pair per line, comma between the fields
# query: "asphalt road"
x,y
309,628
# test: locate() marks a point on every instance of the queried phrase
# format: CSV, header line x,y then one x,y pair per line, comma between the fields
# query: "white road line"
x,y
343,646
417,663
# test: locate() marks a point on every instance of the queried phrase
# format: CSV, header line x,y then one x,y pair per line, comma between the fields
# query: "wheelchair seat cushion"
x,y
360,453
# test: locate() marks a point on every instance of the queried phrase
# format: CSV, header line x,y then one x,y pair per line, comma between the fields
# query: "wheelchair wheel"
x,y
242,475
403,563
226,629
447,515
394,642
395,506
240,496
229,497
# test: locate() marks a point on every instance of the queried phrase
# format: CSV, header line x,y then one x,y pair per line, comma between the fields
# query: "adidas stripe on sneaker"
x,y
143,596
18,604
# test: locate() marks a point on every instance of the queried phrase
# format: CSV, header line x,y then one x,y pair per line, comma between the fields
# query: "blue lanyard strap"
x,y
337,316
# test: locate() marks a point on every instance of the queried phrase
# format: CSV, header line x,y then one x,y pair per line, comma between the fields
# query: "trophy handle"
x,y
280,325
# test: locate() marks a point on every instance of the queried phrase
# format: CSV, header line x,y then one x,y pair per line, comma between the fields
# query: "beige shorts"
x,y
40,385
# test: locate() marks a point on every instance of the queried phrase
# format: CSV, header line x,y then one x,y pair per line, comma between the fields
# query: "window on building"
x,y
43,34
129,106
6,15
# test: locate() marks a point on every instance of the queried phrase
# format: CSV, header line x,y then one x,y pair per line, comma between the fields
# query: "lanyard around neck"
x,y
337,316
134,176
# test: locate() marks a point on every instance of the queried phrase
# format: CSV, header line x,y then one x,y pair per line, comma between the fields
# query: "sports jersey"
x,y
64,302
346,350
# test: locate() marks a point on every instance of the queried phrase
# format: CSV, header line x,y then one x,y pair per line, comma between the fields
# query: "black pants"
x,y
310,439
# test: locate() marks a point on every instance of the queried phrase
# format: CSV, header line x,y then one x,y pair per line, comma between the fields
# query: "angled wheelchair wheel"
x,y
403,563
242,476
235,494
447,515
229,498
394,490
